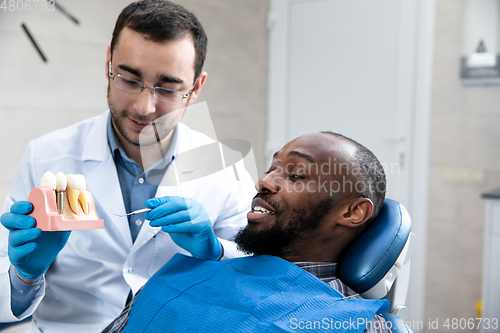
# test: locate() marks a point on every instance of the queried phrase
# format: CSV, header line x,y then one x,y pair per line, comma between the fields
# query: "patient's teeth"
x,y
48,179
260,210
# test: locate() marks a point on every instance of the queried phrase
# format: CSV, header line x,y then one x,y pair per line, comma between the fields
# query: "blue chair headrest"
x,y
374,252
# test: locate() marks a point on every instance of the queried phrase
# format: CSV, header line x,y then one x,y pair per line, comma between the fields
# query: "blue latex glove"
x,y
188,224
31,251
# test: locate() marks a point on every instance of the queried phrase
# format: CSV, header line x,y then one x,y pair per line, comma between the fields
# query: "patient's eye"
x,y
295,177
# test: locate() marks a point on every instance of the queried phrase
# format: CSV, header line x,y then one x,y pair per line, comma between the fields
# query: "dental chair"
x,y
377,264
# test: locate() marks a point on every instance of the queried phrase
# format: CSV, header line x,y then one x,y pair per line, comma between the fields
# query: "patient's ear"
x,y
358,212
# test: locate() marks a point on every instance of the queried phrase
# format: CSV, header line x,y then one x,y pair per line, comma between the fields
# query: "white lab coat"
x,y
87,285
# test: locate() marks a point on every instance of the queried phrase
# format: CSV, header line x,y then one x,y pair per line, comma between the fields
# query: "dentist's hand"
x,y
31,251
188,224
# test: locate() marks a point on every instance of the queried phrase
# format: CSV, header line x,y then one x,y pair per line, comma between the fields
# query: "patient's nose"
x,y
268,183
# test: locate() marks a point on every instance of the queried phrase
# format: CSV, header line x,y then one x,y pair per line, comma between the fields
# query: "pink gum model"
x,y
47,218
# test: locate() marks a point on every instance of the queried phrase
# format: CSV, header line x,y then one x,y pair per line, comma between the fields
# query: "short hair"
x,y
369,171
162,20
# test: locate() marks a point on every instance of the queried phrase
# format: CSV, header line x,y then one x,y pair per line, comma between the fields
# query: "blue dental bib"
x,y
249,294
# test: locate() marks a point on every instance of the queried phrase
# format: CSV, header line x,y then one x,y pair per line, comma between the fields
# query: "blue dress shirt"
x,y
133,179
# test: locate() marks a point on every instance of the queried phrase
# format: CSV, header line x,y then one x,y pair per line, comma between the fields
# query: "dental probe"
x,y
144,210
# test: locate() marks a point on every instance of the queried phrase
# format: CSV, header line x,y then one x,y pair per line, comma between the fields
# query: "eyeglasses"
x,y
133,86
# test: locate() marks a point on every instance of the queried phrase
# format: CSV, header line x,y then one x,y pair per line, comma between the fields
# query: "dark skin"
x,y
292,189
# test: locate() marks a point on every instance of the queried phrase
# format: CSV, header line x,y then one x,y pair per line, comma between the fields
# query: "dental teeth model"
x,y
73,200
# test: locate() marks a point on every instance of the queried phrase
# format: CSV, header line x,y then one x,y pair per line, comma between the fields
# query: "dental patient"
x,y
321,191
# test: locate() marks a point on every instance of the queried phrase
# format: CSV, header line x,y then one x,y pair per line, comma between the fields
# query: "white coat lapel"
x,y
102,180
105,186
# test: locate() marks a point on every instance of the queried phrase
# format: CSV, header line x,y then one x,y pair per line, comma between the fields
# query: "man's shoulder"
x,y
77,129
70,140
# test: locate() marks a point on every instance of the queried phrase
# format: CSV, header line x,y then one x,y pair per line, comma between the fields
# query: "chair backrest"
x,y
380,255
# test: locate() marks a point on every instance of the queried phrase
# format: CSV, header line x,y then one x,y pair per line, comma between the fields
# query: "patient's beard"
x,y
270,241
278,241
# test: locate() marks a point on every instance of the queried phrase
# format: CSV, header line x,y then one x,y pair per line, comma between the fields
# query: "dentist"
x,y
79,281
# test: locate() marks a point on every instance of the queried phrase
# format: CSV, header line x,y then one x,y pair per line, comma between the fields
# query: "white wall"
x,y
465,133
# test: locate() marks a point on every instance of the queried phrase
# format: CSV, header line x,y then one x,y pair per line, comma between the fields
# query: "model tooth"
x,y
62,182
82,177
49,180
84,201
76,183
73,194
